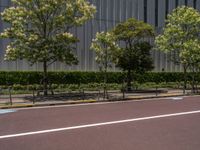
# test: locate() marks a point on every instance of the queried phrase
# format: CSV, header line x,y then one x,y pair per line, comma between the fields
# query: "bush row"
x,y
76,77
28,78
72,87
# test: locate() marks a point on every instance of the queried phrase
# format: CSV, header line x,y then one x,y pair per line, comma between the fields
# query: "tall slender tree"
x,y
106,48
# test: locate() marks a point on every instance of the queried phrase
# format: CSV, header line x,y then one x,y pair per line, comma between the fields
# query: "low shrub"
x,y
77,77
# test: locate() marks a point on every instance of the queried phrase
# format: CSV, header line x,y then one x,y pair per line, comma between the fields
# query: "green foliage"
x,y
181,36
61,79
135,54
40,29
181,39
137,59
25,89
31,78
133,30
158,77
28,89
105,48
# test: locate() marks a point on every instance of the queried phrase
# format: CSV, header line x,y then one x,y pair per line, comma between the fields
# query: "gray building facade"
x,y
109,13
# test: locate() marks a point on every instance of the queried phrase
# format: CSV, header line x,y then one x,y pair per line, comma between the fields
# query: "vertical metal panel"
x,y
1,40
191,3
89,59
181,2
103,9
171,65
129,8
84,56
91,53
75,67
171,5
141,9
117,10
134,9
110,10
123,10
161,12
161,21
80,47
198,5
109,13
151,12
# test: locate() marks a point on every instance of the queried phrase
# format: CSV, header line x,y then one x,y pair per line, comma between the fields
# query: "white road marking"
x,y
5,111
98,124
177,98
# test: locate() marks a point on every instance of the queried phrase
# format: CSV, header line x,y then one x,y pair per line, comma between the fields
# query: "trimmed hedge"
x,y
76,77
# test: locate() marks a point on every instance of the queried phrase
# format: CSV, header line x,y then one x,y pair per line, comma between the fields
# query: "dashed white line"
x,y
5,111
98,124
177,98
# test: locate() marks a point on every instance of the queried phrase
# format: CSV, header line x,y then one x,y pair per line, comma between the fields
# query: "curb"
x,y
48,104
86,101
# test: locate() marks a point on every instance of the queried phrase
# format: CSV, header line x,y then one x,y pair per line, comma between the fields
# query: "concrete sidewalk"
x,y
26,100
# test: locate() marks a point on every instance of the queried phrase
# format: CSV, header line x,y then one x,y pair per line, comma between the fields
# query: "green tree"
x,y
135,55
192,58
181,38
40,30
105,48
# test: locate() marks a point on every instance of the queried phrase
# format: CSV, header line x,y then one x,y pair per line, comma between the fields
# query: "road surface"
x,y
164,124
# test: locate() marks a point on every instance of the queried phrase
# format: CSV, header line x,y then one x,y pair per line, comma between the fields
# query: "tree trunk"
x,y
45,81
105,85
105,73
193,80
129,88
185,79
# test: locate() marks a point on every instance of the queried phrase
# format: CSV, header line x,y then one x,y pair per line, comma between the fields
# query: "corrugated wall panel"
x,y
191,3
109,13
198,4
170,64
141,9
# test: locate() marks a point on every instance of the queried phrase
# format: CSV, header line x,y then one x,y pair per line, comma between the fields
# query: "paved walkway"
x,y
71,98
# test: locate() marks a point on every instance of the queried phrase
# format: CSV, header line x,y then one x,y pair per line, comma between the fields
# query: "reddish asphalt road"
x,y
171,132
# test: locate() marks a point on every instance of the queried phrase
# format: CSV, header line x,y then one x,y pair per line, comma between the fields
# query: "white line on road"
x,y
5,111
98,124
